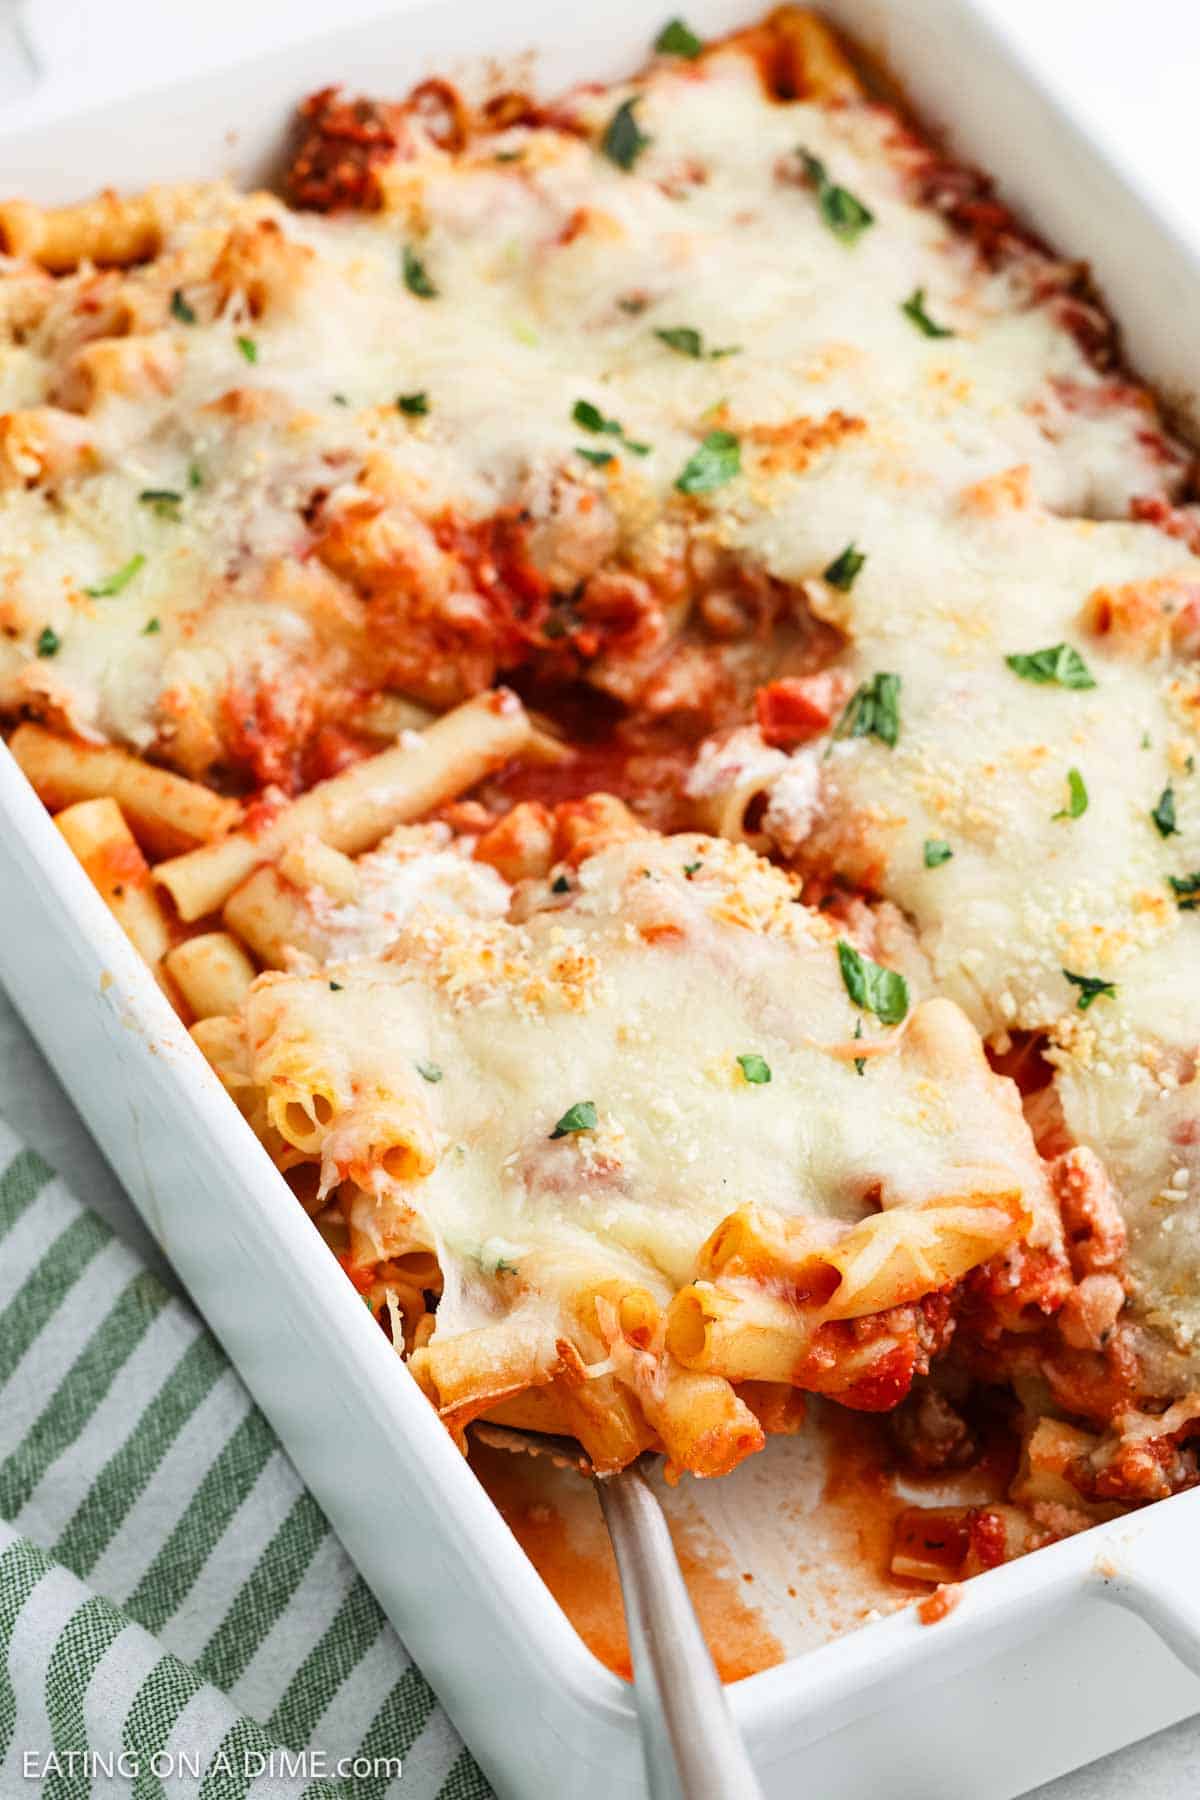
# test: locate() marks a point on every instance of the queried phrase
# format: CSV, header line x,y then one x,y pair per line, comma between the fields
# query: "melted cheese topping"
x,y
982,763
987,473
638,990
554,271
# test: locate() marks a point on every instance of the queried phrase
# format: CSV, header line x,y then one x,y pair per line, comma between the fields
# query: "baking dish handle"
x,y
1153,1572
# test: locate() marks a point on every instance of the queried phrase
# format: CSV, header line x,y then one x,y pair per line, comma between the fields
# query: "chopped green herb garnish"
x,y
368,1303
415,278
415,405
914,308
560,885
690,869
873,710
49,643
1090,988
195,476
165,501
181,310
580,1117
1077,804
508,156
335,987
1164,813
845,215
844,569
623,140
113,584
937,852
592,419
429,1071
339,399
248,348
717,460
1060,663
881,991
599,459
504,1268
1186,889
690,342
678,39
860,1062
151,628
755,1068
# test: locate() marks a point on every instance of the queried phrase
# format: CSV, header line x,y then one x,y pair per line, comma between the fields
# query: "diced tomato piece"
x,y
798,708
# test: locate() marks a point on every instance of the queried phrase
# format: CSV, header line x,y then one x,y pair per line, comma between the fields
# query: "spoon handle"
x,y
691,1745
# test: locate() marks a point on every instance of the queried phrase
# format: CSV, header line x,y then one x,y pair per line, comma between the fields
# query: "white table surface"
x,y
1131,66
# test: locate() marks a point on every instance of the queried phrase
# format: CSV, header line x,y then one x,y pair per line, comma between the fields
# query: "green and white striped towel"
x,y
176,1617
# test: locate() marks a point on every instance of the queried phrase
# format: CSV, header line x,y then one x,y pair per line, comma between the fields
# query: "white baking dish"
x,y
1034,1672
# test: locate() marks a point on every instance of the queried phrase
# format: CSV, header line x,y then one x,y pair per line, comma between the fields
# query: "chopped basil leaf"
x,y
1090,988
367,1302
914,308
113,584
689,869
881,991
504,1268
1059,663
755,1068
1077,805
690,342
508,156
1186,889
678,39
1164,813
415,405
580,1117
937,852
717,460
429,1071
415,278
683,338
150,628
860,1062
339,399
873,710
845,215
49,643
165,501
843,570
599,459
195,476
623,140
560,885
335,987
592,419
248,348
180,309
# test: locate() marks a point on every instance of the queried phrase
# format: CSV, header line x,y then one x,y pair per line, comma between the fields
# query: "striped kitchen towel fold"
x,y
176,1616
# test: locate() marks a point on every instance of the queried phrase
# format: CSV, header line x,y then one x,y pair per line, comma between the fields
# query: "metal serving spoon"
x,y
691,1746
